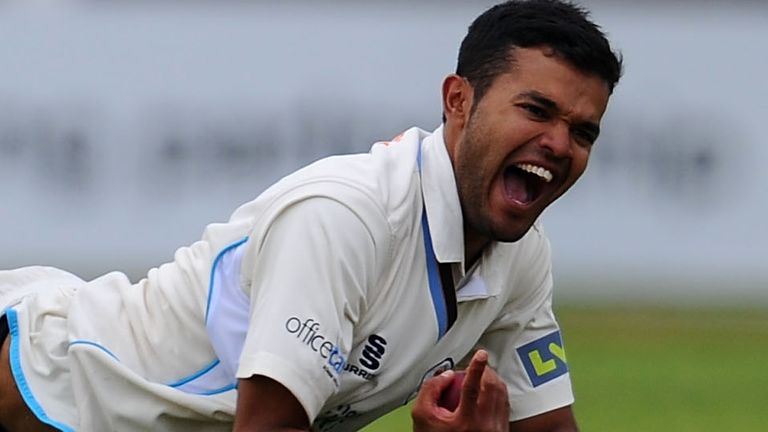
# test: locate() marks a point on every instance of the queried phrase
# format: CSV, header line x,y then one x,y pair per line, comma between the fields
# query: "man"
x,y
352,285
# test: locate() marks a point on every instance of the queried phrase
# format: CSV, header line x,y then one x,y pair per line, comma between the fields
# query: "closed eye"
x,y
584,136
536,111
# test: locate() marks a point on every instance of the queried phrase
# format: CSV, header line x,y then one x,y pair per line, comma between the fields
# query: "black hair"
x,y
488,48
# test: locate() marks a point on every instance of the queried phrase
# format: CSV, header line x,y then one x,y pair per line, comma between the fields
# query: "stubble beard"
x,y
474,195
472,191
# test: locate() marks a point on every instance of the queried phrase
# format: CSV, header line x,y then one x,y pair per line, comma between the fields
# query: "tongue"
x,y
516,186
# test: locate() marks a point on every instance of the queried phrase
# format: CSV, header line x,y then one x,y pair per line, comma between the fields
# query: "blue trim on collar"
x,y
433,275
433,271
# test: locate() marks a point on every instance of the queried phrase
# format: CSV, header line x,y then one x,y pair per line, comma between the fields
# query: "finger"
x,y
470,391
432,388
494,396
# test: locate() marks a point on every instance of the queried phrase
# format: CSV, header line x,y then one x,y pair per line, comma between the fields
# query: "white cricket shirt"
x,y
328,283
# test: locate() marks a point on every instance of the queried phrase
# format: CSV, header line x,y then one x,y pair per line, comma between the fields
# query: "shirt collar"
x,y
441,200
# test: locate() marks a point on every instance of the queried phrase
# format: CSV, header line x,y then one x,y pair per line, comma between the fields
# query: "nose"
x,y
557,140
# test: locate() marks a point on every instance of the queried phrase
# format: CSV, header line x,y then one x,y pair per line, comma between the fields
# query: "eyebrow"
x,y
539,98
551,105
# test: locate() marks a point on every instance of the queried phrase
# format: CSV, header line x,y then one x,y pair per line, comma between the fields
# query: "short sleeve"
x,y
307,284
526,347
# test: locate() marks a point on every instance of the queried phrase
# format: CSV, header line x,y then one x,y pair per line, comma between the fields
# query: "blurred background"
x,y
126,127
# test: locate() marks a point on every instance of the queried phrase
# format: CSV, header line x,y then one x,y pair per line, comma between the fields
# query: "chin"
x,y
500,227
510,238
507,235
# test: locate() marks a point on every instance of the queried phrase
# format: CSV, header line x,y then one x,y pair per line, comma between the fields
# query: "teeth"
x,y
539,171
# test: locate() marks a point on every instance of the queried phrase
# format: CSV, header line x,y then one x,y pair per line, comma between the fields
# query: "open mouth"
x,y
524,182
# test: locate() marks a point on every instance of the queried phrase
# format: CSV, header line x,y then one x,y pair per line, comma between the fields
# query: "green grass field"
x,y
661,369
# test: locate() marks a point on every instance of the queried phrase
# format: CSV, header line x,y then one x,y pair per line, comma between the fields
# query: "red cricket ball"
x,y
449,398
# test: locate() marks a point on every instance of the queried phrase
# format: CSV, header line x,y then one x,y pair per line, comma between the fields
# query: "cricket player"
x,y
353,285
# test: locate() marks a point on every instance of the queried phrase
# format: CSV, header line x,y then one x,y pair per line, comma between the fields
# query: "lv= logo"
x,y
543,367
544,359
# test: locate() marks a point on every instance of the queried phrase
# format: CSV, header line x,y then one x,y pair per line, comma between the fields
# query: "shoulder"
x,y
339,178
380,187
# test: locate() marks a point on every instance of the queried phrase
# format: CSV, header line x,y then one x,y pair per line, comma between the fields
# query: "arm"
x,y
558,420
264,404
308,270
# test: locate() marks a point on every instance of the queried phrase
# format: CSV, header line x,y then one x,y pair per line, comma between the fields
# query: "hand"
x,y
483,407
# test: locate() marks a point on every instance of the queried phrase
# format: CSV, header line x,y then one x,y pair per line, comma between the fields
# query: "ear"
x,y
457,101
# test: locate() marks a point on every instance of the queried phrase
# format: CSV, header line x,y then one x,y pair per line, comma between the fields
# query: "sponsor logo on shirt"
x,y
308,333
374,349
544,359
370,358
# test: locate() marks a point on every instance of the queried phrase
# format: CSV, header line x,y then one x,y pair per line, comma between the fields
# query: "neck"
x,y
474,244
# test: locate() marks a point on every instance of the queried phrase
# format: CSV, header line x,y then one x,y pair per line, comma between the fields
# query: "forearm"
x,y
264,404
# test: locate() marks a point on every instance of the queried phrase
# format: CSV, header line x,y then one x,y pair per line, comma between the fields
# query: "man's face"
x,y
525,143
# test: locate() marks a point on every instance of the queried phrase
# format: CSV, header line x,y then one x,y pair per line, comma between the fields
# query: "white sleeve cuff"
x,y
550,396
